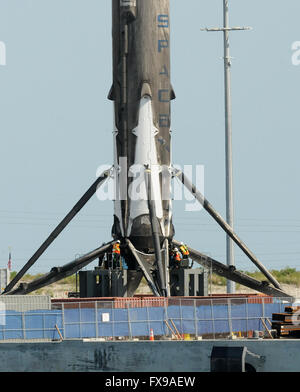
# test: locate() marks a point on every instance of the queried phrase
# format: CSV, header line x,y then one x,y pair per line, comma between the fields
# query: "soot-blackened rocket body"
x,y
141,93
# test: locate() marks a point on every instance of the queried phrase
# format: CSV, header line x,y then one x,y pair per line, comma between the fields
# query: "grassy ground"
x,y
59,289
287,277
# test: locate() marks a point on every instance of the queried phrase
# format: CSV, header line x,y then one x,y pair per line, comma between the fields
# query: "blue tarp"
x,y
91,322
34,324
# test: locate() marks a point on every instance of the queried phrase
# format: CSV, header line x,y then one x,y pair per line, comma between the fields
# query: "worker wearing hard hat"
x,y
184,251
116,254
175,258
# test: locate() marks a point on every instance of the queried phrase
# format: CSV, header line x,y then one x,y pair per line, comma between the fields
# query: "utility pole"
x,y
228,134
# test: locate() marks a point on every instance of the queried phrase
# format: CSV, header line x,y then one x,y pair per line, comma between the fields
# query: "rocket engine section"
x,y
143,232
141,93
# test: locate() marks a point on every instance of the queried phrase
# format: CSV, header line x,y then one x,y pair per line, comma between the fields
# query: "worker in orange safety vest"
x,y
175,258
116,254
184,251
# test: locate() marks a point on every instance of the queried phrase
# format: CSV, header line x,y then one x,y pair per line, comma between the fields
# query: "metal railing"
x,y
143,317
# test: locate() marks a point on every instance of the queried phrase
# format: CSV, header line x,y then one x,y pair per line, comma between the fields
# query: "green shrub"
x,y
286,275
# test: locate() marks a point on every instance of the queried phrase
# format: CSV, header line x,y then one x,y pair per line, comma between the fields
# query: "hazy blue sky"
x,y
56,125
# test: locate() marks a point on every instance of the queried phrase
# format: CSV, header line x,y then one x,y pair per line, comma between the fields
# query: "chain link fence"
x,y
143,318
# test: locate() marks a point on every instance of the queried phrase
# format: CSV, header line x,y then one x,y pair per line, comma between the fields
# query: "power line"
x,y
176,216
